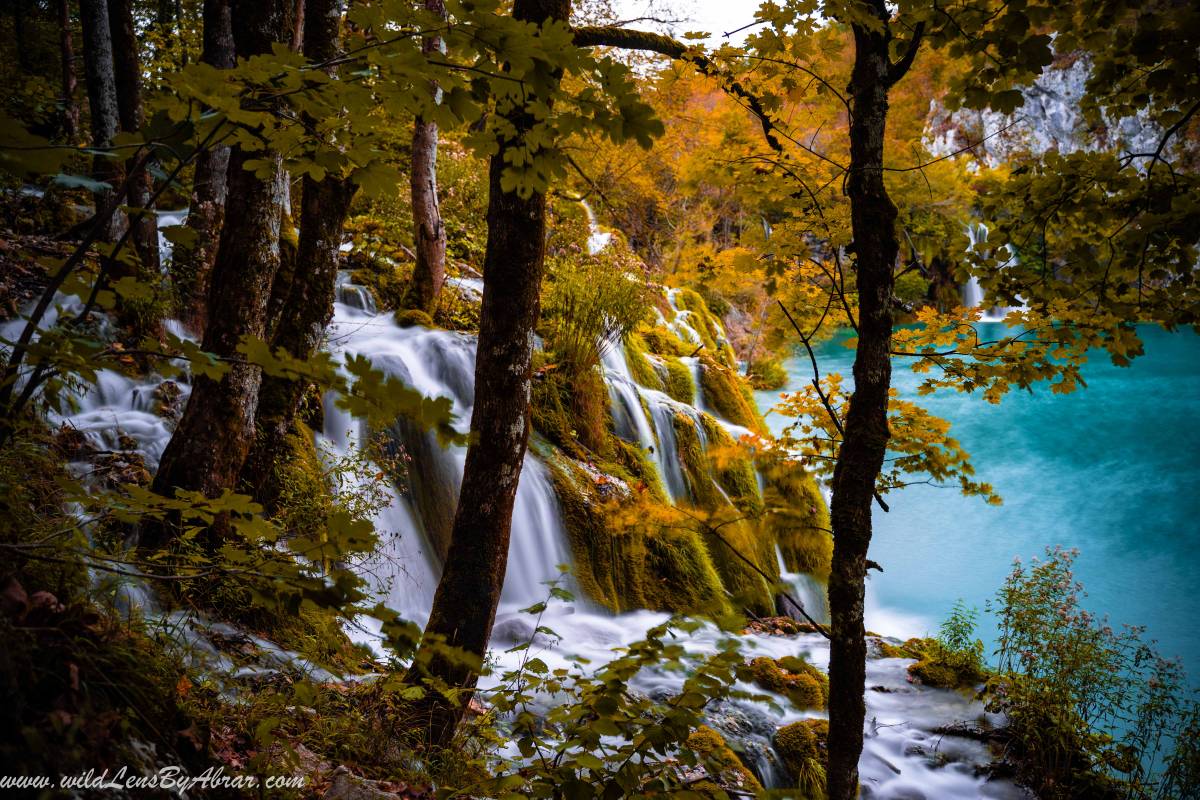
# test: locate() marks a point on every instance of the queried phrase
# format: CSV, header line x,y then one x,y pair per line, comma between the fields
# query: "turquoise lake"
x,y
1113,469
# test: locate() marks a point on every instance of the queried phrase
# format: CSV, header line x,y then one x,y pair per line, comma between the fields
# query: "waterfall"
x,y
972,292
598,238
436,363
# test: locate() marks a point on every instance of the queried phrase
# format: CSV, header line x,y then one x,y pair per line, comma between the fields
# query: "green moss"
x,y
804,748
721,763
679,383
627,569
640,367
768,374
797,519
943,668
694,463
662,341
731,467
302,495
913,648
640,468
729,395
802,683
413,316
727,533
387,282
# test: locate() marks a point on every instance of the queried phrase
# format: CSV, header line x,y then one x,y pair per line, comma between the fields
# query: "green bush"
x,y
1092,711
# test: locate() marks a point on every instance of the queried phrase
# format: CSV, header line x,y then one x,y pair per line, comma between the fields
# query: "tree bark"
x,y
212,439
324,206
102,101
429,234
206,210
128,72
464,606
66,44
865,438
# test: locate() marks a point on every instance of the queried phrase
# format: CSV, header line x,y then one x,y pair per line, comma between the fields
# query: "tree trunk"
x,y
464,607
206,210
324,206
102,100
864,444
212,439
66,44
429,234
128,72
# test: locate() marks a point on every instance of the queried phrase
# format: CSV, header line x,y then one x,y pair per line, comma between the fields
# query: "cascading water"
x,y
972,292
904,756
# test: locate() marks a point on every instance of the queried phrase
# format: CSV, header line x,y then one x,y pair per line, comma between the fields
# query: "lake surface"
x,y
1112,469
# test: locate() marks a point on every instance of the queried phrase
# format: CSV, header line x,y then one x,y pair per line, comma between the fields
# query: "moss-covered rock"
x,y
623,568
413,316
732,467
804,749
797,519
768,374
942,668
387,281
640,366
663,341
301,494
678,380
802,683
729,395
723,765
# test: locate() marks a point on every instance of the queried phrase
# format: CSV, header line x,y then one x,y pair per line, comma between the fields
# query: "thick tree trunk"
x,y
429,234
206,210
102,100
66,45
308,306
212,439
128,73
873,217
464,607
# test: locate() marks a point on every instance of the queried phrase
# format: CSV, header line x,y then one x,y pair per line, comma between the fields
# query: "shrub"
x,y
1092,711
591,305
954,659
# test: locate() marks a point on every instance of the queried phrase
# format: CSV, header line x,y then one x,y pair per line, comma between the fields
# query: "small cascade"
x,y
598,238
806,589
436,363
680,325
694,366
353,296
972,292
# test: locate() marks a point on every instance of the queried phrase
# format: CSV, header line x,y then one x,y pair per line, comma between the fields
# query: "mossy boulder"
x,y
729,395
571,410
802,683
804,749
768,374
413,316
726,770
663,341
386,280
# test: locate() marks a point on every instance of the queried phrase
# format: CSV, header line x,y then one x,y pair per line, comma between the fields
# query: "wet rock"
x,y
73,444
348,786
117,469
168,400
